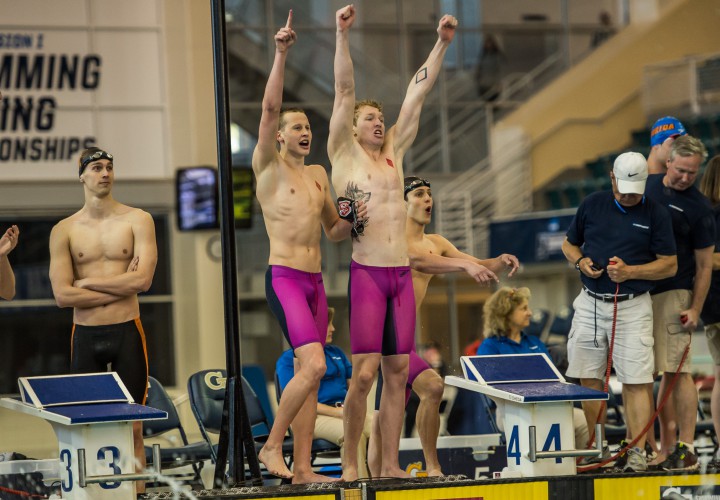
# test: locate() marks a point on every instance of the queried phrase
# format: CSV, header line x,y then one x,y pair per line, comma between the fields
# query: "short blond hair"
x,y
686,145
500,306
331,314
366,102
285,111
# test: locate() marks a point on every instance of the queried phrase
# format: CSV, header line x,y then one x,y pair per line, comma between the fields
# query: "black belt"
x,y
609,297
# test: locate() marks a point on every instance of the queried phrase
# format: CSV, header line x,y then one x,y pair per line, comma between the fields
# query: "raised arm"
x,y
266,149
405,130
341,122
61,276
138,278
8,241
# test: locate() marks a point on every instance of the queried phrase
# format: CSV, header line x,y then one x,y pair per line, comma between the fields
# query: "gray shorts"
x,y
633,348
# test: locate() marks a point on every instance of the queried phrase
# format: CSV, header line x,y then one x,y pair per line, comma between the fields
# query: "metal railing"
x,y
691,83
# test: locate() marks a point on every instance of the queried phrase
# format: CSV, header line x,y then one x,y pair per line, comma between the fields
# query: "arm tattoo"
x,y
421,75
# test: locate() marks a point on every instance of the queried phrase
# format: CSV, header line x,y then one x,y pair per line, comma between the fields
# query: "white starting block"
x,y
538,407
92,416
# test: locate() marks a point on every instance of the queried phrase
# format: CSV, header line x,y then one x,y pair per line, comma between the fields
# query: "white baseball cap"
x,y
631,172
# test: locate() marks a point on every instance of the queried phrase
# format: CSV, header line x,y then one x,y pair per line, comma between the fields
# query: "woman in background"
x,y
507,312
710,187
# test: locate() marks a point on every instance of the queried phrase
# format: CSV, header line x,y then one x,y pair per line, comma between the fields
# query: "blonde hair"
x,y
366,102
710,184
500,306
686,145
331,314
285,111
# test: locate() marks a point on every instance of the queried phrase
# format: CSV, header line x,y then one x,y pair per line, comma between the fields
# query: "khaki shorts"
x,y
712,332
591,331
671,338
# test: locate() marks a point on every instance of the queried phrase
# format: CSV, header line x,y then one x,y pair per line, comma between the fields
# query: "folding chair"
x,y
187,454
206,390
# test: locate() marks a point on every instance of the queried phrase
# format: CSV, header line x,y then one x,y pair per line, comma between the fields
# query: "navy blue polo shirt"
x,y
693,226
711,308
333,385
604,229
499,344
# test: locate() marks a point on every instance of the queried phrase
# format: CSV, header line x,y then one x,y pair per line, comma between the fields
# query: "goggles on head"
x,y
97,155
414,184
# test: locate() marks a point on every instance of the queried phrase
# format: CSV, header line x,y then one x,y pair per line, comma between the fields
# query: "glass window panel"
x,y
35,339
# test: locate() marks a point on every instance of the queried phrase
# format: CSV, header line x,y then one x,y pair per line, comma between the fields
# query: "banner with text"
x,y
74,74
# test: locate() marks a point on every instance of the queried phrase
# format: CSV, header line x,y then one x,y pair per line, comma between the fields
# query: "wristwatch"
x,y
577,262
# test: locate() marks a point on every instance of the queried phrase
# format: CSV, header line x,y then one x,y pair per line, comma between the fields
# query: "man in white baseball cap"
x,y
620,242
630,171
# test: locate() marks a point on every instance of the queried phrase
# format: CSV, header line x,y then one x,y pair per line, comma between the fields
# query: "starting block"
x,y
538,407
92,416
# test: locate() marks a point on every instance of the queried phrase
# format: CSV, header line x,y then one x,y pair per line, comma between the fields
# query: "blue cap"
x,y
668,126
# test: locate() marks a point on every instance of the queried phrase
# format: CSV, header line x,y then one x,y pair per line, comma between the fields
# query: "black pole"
x,y
235,433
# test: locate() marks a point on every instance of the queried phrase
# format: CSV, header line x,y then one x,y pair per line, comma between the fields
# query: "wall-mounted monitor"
x,y
196,190
243,196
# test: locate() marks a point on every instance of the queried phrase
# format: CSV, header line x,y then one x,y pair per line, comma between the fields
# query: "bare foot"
x,y
274,463
349,474
394,472
313,478
435,473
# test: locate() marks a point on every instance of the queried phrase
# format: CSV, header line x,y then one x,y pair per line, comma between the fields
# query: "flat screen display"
x,y
197,198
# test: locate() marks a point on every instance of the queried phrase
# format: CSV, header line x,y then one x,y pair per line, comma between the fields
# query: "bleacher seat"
x,y
640,141
598,168
554,198
572,192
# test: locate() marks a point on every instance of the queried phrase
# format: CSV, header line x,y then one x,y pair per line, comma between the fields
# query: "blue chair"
x,y
560,326
187,454
539,324
206,390
255,376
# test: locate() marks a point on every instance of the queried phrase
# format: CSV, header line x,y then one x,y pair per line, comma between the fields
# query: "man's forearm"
x,y
343,66
339,231
272,99
701,286
496,264
572,252
126,284
435,264
72,296
658,269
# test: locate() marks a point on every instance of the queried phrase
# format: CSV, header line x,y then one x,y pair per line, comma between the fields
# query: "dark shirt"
x,y
333,385
711,308
604,229
693,226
